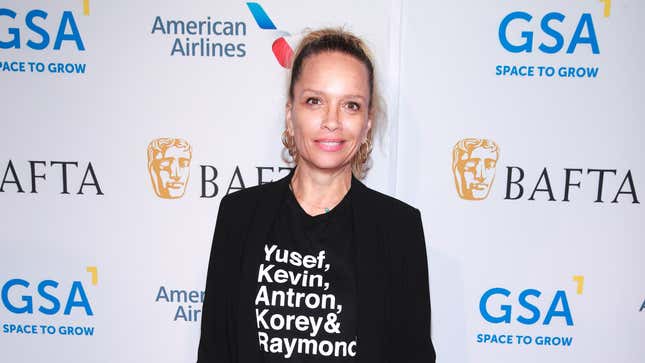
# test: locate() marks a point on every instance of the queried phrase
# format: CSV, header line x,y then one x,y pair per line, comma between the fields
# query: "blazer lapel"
x,y
371,277
266,209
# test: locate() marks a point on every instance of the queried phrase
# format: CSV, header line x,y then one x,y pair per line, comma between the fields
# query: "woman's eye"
x,y
313,101
353,106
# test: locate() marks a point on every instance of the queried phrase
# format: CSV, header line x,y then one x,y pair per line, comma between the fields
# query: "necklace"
x,y
326,209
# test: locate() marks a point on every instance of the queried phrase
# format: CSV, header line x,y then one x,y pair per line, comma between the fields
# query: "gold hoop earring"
x,y
290,144
364,151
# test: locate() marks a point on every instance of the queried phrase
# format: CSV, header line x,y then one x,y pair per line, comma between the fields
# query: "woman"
x,y
316,267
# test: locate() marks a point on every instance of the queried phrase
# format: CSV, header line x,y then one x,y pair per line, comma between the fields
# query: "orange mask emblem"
x,y
473,166
169,166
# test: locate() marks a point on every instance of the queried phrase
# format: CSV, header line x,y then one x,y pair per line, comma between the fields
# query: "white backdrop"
x,y
450,91
88,244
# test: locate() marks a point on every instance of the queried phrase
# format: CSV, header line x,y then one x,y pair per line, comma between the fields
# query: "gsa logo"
x,y
42,30
585,33
504,308
30,29
526,303
551,32
48,297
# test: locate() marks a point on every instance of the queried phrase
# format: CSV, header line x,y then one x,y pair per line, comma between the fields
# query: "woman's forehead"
x,y
325,71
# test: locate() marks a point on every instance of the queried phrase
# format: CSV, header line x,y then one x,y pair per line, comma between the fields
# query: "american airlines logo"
x,y
282,50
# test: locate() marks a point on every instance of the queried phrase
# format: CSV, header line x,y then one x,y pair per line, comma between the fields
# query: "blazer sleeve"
x,y
410,298
214,342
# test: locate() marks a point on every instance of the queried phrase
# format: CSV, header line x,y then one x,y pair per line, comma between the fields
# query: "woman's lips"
x,y
329,144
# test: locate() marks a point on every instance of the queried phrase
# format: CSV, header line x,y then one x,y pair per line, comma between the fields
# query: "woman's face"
x,y
328,115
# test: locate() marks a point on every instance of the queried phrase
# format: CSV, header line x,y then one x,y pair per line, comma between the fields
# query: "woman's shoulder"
x,y
398,221
384,202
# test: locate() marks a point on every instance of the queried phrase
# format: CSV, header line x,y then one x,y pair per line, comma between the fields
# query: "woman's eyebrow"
x,y
311,91
320,93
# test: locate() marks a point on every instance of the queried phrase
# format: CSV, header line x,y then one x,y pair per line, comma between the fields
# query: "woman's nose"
x,y
332,118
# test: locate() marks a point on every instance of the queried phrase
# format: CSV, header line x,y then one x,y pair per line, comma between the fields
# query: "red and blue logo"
x,y
281,48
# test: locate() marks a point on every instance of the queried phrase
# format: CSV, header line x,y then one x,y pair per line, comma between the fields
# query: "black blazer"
x,y
393,303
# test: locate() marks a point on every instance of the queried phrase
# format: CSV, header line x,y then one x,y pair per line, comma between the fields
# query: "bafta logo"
x,y
169,166
473,166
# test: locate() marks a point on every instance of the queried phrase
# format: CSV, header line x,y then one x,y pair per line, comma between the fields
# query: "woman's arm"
x,y
410,297
214,341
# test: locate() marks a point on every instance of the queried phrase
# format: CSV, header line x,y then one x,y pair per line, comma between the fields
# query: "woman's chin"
x,y
328,164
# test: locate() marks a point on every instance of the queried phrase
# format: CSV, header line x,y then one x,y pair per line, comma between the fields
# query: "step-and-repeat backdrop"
x,y
515,126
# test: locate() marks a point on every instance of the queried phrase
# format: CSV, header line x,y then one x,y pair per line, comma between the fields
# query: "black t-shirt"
x,y
305,303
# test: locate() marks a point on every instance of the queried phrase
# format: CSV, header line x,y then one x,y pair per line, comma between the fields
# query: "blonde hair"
x,y
339,40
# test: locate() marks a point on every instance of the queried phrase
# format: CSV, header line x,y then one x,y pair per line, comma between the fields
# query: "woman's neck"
x,y
319,191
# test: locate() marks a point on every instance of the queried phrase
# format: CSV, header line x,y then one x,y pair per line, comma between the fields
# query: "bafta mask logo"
x,y
473,165
169,166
